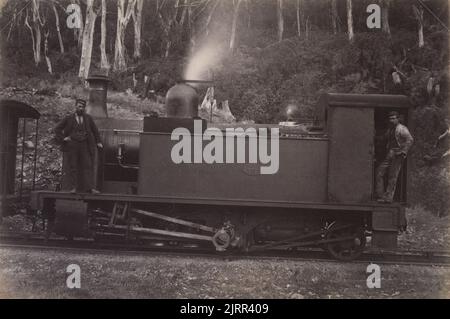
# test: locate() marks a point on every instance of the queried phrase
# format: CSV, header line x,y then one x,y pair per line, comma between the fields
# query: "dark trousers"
x,y
80,165
390,167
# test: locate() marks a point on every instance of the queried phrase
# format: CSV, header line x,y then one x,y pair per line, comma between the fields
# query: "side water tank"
x,y
182,101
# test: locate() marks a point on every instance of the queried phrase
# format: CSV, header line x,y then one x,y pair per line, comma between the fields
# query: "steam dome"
x,y
182,101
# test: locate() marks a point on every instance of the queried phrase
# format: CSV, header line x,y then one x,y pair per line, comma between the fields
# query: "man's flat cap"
x,y
81,102
394,113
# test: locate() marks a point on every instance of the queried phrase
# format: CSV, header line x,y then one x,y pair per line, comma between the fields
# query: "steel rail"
x,y
397,257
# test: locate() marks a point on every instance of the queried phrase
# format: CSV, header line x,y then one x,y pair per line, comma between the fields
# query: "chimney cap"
x,y
194,81
98,77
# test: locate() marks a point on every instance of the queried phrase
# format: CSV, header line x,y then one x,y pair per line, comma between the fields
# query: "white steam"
x,y
202,62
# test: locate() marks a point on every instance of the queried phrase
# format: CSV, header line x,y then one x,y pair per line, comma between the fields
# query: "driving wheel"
x,y
345,241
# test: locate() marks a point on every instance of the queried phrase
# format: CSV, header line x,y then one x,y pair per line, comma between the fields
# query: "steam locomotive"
x,y
322,193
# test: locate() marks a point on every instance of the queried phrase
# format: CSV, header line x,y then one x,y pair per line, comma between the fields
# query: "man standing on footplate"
x,y
399,141
79,137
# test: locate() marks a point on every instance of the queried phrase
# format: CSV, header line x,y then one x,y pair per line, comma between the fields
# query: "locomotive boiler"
x,y
320,195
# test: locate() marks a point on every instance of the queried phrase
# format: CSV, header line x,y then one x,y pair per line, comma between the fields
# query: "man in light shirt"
x,y
398,142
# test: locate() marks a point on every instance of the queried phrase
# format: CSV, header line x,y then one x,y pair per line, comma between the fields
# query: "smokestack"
x,y
98,90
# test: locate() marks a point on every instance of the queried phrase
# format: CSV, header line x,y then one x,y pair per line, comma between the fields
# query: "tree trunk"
x,y
418,12
137,22
12,24
334,16
123,17
299,29
351,35
280,20
88,37
307,27
35,31
385,17
33,41
119,48
168,46
249,13
234,24
78,32
58,29
167,23
47,59
186,6
104,64
210,15
191,28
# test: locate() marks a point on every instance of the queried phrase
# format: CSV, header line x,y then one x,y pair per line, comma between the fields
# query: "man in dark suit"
x,y
79,137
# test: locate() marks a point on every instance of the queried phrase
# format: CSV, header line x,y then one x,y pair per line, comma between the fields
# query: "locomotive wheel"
x,y
347,249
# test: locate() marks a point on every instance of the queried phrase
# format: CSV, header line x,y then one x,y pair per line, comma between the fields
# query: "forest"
x,y
261,54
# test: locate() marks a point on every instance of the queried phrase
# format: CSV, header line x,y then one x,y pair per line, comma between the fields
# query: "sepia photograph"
x,y
224,154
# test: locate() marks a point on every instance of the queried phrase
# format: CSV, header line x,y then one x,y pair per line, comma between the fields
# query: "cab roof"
x,y
18,109
365,100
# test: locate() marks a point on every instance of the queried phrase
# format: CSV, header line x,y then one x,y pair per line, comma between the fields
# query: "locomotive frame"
x,y
111,215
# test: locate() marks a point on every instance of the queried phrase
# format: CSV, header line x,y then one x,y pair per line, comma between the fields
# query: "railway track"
x,y
26,240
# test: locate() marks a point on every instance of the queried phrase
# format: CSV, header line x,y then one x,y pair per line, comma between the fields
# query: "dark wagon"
x,y
14,116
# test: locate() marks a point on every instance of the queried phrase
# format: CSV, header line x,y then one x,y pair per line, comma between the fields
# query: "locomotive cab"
x,y
354,121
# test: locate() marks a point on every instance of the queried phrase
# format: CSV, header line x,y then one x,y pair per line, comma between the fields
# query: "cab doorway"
x,y
381,126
